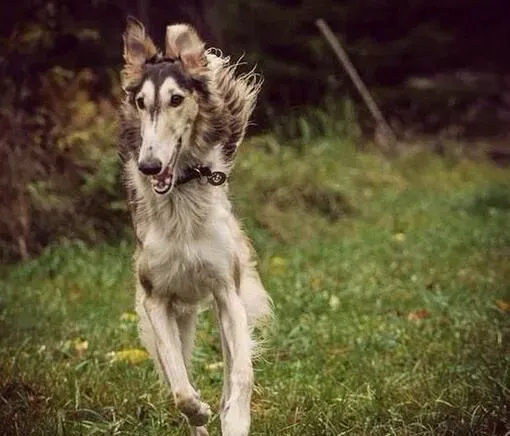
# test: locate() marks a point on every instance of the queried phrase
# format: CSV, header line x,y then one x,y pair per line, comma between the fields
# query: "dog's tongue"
x,y
161,181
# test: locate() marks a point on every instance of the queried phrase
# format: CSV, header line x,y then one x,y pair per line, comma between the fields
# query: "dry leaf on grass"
x,y
214,366
128,317
334,302
80,346
76,346
399,237
418,314
503,305
278,265
315,282
130,355
338,351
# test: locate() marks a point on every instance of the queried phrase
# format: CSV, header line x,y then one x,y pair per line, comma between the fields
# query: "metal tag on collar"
x,y
217,178
202,178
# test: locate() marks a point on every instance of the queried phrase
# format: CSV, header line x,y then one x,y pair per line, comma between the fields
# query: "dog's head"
x,y
163,91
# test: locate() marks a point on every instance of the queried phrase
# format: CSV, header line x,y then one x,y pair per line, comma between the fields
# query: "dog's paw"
x,y
199,431
235,420
196,411
200,417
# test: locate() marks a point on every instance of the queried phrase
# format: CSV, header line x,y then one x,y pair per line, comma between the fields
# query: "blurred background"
x,y
387,261
438,69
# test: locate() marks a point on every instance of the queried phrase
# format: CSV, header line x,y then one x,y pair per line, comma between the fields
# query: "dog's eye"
x,y
140,103
176,100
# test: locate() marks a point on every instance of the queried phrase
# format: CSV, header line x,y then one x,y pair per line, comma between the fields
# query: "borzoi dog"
x,y
184,115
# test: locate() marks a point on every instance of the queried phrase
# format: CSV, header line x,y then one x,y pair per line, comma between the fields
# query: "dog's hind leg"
x,y
227,363
233,322
164,343
187,326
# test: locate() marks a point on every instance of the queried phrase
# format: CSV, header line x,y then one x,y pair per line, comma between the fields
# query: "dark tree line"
x,y
59,63
389,40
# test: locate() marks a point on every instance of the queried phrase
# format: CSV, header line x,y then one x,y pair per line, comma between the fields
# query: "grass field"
x,y
391,284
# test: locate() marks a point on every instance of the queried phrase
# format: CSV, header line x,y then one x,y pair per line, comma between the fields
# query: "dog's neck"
x,y
202,173
188,206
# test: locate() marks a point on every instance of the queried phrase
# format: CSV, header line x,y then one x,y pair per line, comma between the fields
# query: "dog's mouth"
x,y
162,182
165,180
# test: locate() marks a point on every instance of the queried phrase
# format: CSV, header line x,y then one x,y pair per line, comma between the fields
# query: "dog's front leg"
x,y
187,325
235,413
169,353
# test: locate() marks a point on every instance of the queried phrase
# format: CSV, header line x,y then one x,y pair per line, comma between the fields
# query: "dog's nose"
x,y
150,167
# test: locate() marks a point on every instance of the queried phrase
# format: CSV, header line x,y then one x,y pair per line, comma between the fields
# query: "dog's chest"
x,y
186,269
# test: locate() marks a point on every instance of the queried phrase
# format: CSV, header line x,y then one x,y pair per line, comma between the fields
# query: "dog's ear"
x,y
138,48
183,42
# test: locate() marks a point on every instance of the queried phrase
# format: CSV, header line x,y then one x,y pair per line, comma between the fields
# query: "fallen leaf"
x,y
80,346
130,355
278,261
129,317
75,293
400,237
214,366
278,264
315,282
334,302
418,314
338,351
503,305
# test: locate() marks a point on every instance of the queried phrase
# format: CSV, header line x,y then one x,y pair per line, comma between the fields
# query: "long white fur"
x,y
195,251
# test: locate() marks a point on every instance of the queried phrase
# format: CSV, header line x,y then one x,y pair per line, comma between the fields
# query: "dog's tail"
x,y
259,309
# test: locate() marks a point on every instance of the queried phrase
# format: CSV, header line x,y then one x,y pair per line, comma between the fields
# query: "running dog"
x,y
184,115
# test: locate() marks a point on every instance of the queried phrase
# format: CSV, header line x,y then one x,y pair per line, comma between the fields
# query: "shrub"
x,y
58,166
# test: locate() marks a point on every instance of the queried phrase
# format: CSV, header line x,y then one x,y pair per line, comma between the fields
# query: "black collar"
x,y
203,173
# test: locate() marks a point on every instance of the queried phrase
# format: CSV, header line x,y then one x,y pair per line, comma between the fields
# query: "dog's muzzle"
x,y
162,177
150,167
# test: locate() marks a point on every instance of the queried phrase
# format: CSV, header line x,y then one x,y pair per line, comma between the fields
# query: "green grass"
x,y
385,278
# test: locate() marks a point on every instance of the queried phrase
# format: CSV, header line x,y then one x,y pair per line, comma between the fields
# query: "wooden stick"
x,y
142,8
362,89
